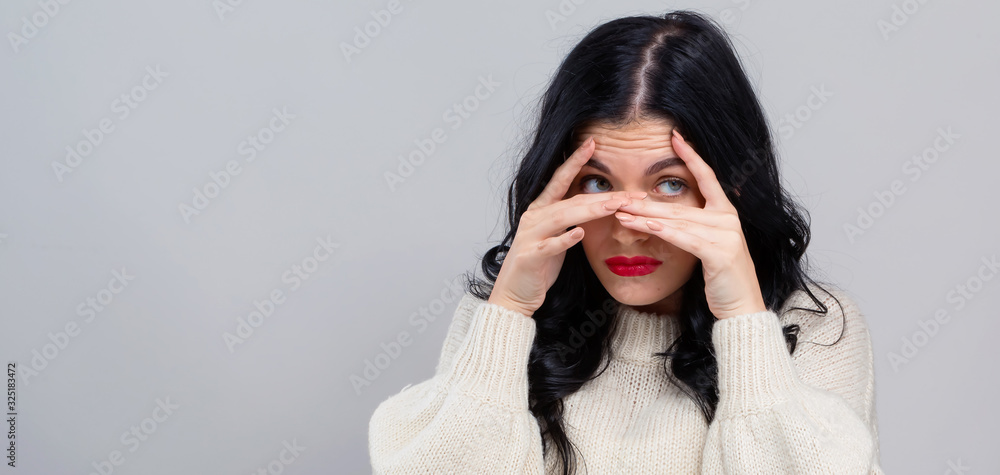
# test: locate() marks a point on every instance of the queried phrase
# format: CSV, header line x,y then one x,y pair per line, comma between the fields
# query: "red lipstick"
x,y
632,266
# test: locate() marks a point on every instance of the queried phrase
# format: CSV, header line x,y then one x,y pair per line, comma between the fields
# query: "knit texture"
x,y
812,412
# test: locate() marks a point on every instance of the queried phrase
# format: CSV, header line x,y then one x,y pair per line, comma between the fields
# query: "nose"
x,y
626,236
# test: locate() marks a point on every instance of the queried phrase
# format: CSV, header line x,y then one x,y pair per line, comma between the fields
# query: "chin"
x,y
636,293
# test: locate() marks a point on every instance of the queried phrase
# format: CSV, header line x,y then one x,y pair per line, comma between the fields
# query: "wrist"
x,y
744,310
511,306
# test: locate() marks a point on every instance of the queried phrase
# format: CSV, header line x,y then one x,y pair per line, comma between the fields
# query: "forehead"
x,y
636,144
647,135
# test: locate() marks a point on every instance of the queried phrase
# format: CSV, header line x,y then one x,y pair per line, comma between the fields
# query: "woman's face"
x,y
620,162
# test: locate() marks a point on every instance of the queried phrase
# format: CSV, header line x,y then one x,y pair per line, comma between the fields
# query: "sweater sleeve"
x,y
808,413
472,416
458,330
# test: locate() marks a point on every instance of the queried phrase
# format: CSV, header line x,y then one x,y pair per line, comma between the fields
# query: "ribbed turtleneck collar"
x,y
641,334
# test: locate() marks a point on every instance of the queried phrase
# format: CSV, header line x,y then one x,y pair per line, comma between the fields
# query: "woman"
x,y
644,311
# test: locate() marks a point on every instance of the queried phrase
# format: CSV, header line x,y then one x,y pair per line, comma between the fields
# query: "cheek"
x,y
595,233
596,229
695,199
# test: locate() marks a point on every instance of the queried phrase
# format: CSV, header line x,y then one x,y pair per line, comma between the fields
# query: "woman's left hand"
x,y
713,234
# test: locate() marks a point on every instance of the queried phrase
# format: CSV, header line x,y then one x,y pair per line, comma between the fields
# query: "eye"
x,y
678,184
595,179
676,188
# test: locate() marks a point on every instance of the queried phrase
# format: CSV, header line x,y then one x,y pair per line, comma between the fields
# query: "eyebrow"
x,y
660,165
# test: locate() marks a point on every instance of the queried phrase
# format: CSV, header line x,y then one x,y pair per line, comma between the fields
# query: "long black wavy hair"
x,y
680,67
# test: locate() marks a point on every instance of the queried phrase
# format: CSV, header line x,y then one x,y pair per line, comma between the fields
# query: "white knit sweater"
x,y
812,412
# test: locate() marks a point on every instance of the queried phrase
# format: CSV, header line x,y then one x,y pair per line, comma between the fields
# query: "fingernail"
x,y
625,217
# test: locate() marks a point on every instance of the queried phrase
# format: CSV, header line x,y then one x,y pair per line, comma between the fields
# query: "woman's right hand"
x,y
539,247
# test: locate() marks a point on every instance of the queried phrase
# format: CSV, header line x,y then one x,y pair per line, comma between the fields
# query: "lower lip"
x,y
632,271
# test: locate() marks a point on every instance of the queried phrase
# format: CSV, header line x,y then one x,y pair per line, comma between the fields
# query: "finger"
x,y
681,238
655,209
710,234
708,183
557,187
557,244
584,199
576,210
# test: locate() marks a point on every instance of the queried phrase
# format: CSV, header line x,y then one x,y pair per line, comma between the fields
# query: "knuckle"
x,y
735,236
558,215
696,246
676,209
732,221
517,259
529,215
731,261
733,243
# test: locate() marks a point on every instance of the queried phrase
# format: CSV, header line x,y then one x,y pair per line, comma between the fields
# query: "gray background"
x,y
397,248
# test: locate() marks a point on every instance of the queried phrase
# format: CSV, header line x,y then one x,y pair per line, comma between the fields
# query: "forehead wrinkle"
x,y
663,164
645,138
